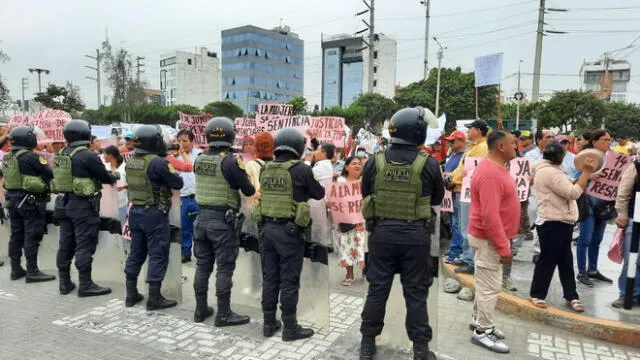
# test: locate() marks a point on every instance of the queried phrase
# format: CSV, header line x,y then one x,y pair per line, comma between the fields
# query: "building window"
x,y
375,83
332,52
287,59
375,69
188,61
375,54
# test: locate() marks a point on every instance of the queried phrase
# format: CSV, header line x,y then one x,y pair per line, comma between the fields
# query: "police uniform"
x,y
150,179
27,179
78,175
286,185
219,176
399,187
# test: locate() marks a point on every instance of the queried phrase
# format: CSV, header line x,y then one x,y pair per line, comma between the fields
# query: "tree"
x,y
5,99
223,108
377,108
65,98
623,119
299,105
572,110
118,68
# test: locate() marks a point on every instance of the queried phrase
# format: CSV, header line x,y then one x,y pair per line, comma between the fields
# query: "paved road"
x,y
38,323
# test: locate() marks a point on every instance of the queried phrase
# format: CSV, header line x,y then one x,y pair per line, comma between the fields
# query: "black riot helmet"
x,y
22,137
220,132
409,126
77,132
290,139
148,139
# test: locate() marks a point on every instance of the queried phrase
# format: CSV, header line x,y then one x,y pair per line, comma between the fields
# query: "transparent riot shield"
x,y
109,259
5,226
394,332
49,244
172,284
247,278
320,224
313,303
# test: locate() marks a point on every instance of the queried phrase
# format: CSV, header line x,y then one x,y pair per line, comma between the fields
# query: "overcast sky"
x,y
56,34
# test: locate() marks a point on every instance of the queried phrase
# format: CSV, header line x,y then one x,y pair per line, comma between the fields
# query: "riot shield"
x,y
5,226
247,278
172,284
313,303
49,244
320,224
109,259
394,332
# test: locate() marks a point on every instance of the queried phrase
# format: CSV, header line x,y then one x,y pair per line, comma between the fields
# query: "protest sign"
x,y
195,123
344,201
520,170
270,116
51,122
470,165
488,70
245,127
329,129
101,131
447,202
434,135
366,140
605,187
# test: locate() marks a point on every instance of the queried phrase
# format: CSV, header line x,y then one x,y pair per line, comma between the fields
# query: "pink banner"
x,y
470,165
51,122
447,202
344,201
245,127
195,123
605,187
520,170
329,129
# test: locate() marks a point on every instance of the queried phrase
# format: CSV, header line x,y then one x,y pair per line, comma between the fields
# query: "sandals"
x,y
347,282
539,303
575,305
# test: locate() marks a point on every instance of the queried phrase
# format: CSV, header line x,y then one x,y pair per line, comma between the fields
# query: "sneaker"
x,y
488,339
449,259
465,269
458,261
497,332
507,284
583,278
598,276
619,303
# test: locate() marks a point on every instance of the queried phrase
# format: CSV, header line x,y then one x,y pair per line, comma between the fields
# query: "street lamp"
x,y
39,71
440,51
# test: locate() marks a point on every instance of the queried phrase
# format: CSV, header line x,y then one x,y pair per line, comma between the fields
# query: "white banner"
x,y
489,70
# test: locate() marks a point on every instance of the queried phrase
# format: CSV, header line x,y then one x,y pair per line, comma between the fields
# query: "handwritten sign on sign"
x,y
245,127
447,202
344,200
605,187
470,165
329,129
51,122
520,170
195,123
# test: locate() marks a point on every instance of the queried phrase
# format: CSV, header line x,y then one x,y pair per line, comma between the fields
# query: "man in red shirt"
x,y
493,220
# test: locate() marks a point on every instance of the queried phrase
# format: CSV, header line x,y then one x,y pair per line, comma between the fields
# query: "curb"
x,y
608,330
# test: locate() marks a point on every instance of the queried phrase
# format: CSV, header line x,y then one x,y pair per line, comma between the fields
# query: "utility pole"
x,y
427,4
39,71
97,58
370,42
535,92
25,85
138,66
518,100
440,52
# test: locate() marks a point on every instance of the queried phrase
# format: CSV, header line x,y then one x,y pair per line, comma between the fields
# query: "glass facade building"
x,y
261,66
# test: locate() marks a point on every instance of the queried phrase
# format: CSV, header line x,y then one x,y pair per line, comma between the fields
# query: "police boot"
x,y
17,272
89,288
156,300
367,347
203,311
271,325
133,296
292,331
66,285
34,274
226,317
421,352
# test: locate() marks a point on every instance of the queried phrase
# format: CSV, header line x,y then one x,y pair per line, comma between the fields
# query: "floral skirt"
x,y
352,246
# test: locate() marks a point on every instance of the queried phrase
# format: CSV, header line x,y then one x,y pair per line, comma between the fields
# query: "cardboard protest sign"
x,y
51,122
470,165
195,123
245,127
329,129
447,202
344,201
605,187
520,170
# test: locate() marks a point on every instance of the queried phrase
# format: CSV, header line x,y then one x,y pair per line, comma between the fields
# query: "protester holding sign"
x,y
189,208
344,200
555,225
458,141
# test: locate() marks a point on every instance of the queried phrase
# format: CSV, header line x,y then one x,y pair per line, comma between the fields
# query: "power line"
x,y
492,41
463,12
606,8
458,37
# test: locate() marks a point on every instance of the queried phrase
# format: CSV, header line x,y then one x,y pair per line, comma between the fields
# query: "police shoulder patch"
x,y
42,160
171,168
240,163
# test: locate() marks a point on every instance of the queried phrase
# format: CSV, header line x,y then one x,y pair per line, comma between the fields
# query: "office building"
x,y
261,66
345,68
190,78
607,79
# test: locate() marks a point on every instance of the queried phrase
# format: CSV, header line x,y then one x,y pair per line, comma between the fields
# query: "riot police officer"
x,y
26,179
399,187
77,176
150,179
286,184
219,175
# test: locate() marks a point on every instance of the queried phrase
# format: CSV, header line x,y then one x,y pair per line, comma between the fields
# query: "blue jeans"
x,y
622,280
591,234
457,239
467,255
188,213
